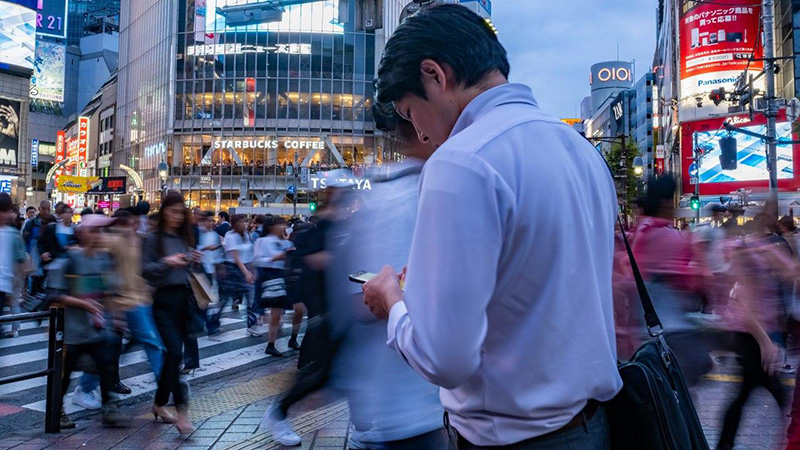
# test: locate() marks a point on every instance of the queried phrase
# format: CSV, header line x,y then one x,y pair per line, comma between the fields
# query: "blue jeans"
x,y
594,435
143,330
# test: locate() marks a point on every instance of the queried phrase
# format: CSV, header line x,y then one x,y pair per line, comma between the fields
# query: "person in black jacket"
x,y
57,237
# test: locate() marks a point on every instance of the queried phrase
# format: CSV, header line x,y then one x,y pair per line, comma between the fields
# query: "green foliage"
x,y
626,180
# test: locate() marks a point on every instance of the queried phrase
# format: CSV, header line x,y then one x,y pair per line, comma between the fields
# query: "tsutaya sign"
x,y
269,144
357,183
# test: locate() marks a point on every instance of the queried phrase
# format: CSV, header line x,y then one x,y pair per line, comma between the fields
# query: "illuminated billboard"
x,y
751,156
17,34
724,169
9,132
717,40
51,18
315,17
47,82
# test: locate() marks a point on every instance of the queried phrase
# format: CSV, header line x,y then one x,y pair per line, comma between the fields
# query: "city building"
x,y
228,97
643,124
17,53
698,62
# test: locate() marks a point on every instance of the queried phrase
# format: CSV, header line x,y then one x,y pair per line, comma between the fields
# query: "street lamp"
x,y
163,171
638,166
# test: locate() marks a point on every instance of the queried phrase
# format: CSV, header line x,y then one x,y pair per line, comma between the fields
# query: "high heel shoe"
x,y
183,425
160,411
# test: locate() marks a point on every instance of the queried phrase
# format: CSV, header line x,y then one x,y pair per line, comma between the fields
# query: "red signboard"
x,y
104,204
746,168
720,36
83,145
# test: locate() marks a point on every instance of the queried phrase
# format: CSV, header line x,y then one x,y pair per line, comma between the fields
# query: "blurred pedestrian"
x,y
269,256
57,237
13,264
239,277
499,279
83,281
167,255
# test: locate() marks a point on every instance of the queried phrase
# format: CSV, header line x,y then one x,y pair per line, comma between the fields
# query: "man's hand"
x,y
249,277
382,292
46,257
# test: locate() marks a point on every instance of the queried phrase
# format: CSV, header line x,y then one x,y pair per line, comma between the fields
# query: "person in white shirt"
x,y
270,261
238,275
505,307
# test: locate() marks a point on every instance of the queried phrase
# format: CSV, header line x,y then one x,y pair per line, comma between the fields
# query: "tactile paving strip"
x,y
304,424
208,406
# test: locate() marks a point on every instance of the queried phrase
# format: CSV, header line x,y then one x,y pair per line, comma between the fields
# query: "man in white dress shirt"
x,y
507,304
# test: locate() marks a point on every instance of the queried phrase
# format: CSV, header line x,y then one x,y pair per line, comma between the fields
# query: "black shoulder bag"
x,y
654,410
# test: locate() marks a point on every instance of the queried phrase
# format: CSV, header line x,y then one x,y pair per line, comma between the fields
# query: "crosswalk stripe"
x,y
127,359
142,384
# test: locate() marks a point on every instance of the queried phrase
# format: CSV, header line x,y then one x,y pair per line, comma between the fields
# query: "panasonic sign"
x,y
701,82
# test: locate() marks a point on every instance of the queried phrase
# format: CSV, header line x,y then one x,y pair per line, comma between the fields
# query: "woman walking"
x,y
239,277
270,260
167,256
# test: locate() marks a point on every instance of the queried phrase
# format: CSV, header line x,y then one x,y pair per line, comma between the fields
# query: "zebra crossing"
x,y
229,351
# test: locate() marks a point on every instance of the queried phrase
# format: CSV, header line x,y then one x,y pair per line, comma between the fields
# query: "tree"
x,y
626,180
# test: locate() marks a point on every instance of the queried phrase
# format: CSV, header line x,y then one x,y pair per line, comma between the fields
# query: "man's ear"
x,y
433,76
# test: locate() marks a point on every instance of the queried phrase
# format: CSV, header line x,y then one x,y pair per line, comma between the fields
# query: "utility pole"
x,y
772,107
696,180
294,175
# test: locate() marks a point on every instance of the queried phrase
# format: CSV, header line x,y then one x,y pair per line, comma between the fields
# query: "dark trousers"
x,y
99,354
594,434
171,313
315,373
432,440
191,353
753,376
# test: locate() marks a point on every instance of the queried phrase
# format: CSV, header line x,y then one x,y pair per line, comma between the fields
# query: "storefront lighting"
x,y
491,25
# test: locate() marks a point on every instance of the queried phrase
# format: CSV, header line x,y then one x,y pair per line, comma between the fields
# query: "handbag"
x,y
204,293
653,410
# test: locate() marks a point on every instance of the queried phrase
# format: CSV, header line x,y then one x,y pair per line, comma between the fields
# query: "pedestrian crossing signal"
x,y
694,203
312,206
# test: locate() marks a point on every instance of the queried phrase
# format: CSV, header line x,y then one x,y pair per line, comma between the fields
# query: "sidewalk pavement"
x,y
227,412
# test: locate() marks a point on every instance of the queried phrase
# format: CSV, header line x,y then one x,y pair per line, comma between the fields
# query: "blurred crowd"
x,y
725,292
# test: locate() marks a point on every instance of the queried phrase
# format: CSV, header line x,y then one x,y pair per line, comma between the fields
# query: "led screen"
x,y
315,17
17,36
751,157
47,82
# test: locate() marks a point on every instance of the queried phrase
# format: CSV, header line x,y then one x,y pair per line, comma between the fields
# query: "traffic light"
x,y
717,96
727,153
312,207
694,203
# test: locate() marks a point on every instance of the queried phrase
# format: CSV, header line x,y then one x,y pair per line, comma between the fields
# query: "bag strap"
x,y
650,316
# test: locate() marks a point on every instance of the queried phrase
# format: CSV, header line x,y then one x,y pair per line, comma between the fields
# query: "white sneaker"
x,y
86,400
359,440
281,430
256,331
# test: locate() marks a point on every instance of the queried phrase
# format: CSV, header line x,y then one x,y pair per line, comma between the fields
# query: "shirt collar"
x,y
488,100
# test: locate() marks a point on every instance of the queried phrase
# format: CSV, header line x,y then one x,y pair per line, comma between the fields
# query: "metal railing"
x,y
55,362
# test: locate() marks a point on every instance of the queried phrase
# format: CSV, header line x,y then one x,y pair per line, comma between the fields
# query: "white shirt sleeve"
x,y
440,327
265,249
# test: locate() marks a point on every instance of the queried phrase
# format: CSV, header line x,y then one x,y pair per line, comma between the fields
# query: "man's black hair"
x,y
142,209
5,202
30,208
86,211
224,216
447,34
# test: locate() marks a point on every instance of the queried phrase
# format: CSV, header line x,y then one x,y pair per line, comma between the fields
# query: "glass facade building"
x,y
231,109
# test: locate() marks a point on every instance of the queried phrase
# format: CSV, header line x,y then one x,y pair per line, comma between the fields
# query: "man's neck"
x,y
490,81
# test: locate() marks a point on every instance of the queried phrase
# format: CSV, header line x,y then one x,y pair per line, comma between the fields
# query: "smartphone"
x,y
362,276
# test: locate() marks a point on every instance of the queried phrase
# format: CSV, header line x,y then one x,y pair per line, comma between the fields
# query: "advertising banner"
x,y
109,185
51,18
6,183
717,39
77,185
17,34
317,17
744,165
83,145
47,82
9,132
